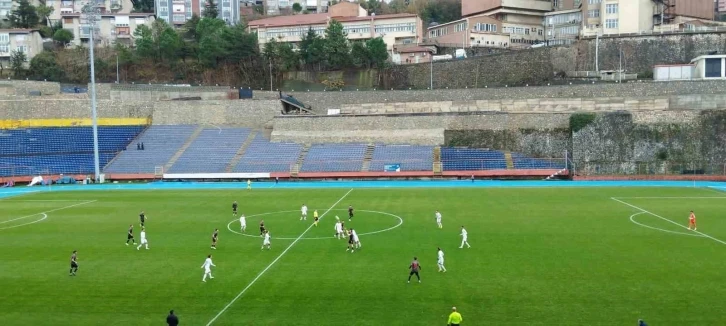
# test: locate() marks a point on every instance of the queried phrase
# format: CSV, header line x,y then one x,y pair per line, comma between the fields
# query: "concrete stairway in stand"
x,y
508,159
368,156
184,147
241,152
437,160
296,168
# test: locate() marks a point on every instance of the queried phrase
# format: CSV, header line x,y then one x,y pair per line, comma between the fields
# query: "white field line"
x,y
50,211
632,219
33,222
47,200
18,194
707,197
665,219
275,261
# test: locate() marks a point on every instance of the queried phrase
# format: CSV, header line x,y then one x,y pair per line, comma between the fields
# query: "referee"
x,y
454,318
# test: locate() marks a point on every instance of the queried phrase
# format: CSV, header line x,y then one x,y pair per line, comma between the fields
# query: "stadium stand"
x,y
211,151
265,156
471,159
334,158
160,144
523,162
411,158
55,150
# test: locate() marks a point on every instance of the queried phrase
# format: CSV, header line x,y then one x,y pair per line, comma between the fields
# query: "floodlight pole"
x,y
90,10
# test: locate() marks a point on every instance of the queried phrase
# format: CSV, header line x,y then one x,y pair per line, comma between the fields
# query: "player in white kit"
x,y
463,238
243,223
208,268
438,220
440,261
266,241
338,229
144,242
303,212
356,240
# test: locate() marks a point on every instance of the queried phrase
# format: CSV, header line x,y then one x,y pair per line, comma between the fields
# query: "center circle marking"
x,y
400,221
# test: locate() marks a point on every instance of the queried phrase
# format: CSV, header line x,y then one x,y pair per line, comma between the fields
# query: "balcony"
x,y
67,4
116,5
123,32
539,5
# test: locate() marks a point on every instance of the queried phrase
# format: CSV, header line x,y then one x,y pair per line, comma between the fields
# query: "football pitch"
x,y
538,256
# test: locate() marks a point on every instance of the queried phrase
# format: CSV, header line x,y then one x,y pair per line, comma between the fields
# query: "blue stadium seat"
x,y
211,151
334,158
471,159
523,162
411,158
160,144
263,156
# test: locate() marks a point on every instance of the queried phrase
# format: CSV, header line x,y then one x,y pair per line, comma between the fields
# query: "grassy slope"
x,y
539,256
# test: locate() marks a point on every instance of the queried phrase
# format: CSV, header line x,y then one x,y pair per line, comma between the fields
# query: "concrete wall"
x,y
23,87
160,93
321,101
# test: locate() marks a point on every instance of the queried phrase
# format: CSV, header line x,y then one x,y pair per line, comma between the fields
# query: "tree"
x,y
441,11
297,8
337,51
373,6
17,63
24,15
377,52
210,48
45,66
63,36
144,42
143,6
210,9
44,11
312,48
289,59
359,55
238,44
169,43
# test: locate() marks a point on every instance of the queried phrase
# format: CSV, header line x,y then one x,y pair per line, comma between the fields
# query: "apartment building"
x,y
473,31
64,7
284,7
394,29
721,6
27,41
110,29
521,19
563,27
177,12
680,11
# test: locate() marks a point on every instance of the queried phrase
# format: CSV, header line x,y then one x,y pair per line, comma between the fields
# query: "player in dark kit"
x,y
350,212
142,218
214,238
74,264
262,228
130,235
351,241
415,267
234,208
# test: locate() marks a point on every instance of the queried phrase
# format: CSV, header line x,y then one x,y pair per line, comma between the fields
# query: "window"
x,y
713,68
356,29
594,13
389,28
140,21
611,23
178,18
4,48
611,8
24,49
540,32
460,27
4,38
594,2
479,27
189,14
67,20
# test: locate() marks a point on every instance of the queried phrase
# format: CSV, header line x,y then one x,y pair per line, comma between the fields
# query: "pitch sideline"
x,y
275,261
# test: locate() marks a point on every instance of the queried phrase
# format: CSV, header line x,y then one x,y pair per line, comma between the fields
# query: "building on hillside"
x,y
562,27
473,31
284,7
27,41
177,12
412,54
64,7
679,11
710,67
617,17
248,10
721,6
111,28
394,29
521,19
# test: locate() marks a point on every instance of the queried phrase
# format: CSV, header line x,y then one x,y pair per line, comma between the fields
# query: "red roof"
x,y
413,49
317,19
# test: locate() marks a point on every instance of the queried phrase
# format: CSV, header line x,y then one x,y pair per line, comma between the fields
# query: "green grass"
x,y
539,256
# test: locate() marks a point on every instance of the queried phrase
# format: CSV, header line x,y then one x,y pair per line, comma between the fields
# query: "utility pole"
x,y
91,12
117,80
432,73
270,74
597,52
620,73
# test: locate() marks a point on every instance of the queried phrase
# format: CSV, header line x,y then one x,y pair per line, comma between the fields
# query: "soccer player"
x,y
243,223
234,208
208,268
214,238
438,220
266,241
351,241
338,230
350,212
249,184
414,267
440,261
464,236
355,238
262,227
454,318
142,218
315,217
74,263
130,235
143,242
303,212
692,221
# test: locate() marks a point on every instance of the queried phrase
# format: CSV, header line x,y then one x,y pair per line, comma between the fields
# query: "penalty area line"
x,y
43,213
667,220
275,261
